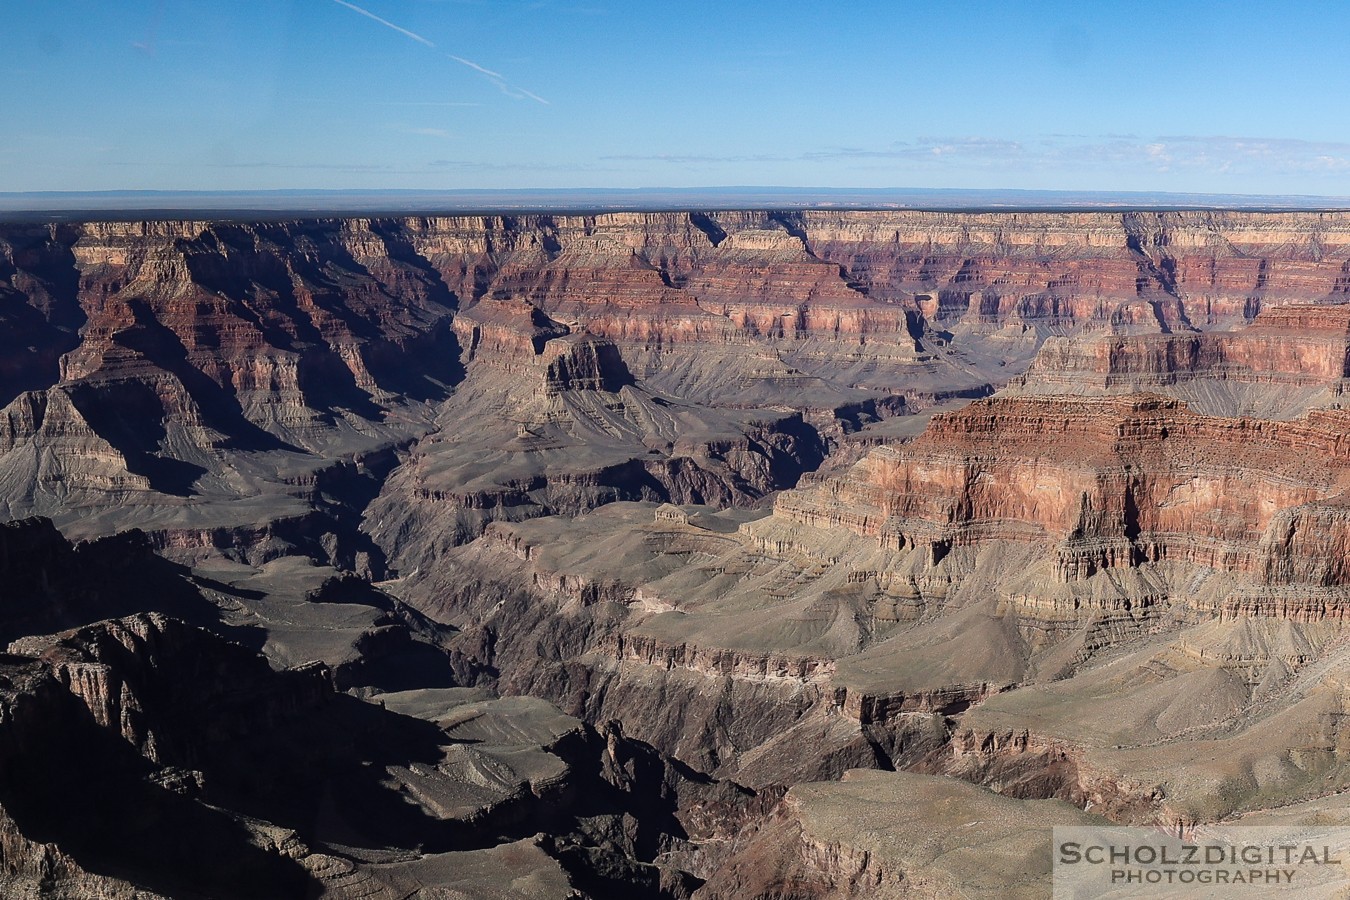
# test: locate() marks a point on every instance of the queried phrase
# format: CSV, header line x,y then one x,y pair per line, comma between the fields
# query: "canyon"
x,y
668,554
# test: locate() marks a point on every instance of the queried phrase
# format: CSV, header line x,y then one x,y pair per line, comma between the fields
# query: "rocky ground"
x,y
815,554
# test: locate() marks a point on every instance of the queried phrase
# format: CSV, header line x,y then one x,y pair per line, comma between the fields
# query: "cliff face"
x,y
84,741
351,291
1291,359
280,323
1131,480
141,757
52,584
1062,266
188,366
1134,271
201,364
118,669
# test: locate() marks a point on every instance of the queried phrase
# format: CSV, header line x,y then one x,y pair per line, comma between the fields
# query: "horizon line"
x,y
270,203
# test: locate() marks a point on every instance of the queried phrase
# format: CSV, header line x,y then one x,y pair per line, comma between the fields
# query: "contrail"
x,y
499,80
385,22
534,97
475,66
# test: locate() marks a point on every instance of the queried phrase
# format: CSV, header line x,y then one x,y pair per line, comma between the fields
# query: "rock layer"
x,y
243,350
1133,480
1290,359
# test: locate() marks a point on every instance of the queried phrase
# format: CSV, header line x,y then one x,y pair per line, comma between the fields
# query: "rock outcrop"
x,y
1291,359
892,834
1132,480
143,757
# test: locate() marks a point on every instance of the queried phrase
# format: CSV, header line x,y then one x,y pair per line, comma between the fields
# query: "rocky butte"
x,y
670,555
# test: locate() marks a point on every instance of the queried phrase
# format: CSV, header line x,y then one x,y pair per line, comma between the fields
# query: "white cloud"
x,y
428,132
1235,157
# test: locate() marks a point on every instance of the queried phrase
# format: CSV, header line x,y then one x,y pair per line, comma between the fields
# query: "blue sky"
x,y
448,94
